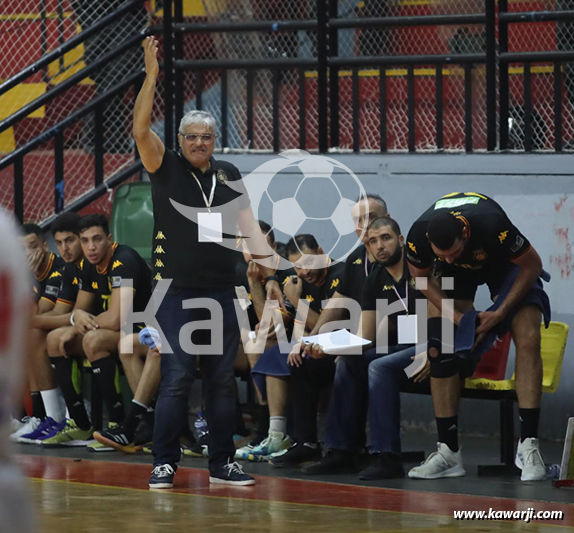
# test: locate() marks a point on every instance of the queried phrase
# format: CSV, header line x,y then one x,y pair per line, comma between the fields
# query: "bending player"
x,y
469,238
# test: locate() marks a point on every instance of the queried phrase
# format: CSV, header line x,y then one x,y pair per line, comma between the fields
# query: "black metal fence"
x,y
495,58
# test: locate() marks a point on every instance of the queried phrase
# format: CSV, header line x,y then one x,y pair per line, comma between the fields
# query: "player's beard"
x,y
394,259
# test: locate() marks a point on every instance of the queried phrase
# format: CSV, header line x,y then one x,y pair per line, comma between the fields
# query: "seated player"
x,y
247,274
141,364
317,279
255,287
96,323
42,263
357,266
39,259
358,387
57,301
469,238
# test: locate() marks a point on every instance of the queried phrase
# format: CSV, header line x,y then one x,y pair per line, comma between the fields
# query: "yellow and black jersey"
x,y
357,268
63,284
126,264
54,264
315,294
493,240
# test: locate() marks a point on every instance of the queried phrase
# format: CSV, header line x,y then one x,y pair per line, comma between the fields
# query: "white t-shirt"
x,y
15,305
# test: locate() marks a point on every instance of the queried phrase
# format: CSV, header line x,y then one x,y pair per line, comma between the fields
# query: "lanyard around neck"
x,y
406,306
211,195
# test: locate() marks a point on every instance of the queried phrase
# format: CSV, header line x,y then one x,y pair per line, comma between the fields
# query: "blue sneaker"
x,y
230,474
162,477
47,428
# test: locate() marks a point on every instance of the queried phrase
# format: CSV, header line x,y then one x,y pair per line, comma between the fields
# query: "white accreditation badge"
x,y
210,227
407,326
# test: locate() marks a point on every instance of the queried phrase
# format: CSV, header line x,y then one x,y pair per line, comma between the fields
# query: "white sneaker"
x,y
30,425
529,460
276,441
16,424
442,463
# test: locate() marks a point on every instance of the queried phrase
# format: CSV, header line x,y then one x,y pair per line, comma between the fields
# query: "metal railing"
x,y
56,132
527,58
328,65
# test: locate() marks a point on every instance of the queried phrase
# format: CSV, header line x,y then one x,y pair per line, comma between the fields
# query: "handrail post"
x,y
334,74
322,77
168,73
490,8
178,54
503,84
19,188
59,172
99,116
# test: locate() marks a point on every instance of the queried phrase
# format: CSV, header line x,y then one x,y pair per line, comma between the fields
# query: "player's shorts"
x,y
138,327
465,333
272,362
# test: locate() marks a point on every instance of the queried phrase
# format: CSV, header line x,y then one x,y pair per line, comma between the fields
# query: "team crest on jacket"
x,y
221,176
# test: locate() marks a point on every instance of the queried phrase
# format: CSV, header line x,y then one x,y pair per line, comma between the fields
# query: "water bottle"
x,y
552,471
200,426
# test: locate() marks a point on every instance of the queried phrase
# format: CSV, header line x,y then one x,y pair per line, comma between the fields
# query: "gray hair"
x,y
197,117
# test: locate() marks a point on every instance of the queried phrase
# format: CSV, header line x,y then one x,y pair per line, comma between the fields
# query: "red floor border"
x,y
278,489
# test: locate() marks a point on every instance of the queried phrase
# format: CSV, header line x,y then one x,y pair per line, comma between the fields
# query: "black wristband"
x,y
275,277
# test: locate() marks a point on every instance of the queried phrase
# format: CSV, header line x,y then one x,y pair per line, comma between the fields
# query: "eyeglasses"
x,y
193,137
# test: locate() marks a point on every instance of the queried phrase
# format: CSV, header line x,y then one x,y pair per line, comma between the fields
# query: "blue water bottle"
x,y
200,426
552,471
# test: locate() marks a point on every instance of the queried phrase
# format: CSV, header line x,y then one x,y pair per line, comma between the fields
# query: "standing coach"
x,y
189,254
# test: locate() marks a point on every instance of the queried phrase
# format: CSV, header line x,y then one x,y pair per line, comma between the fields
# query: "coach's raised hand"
x,y
151,64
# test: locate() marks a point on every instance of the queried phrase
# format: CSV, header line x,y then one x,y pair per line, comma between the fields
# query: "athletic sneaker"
x,y
47,428
230,474
116,438
16,424
529,460
69,435
144,434
275,442
98,447
442,463
296,455
333,462
385,465
162,476
30,423
199,449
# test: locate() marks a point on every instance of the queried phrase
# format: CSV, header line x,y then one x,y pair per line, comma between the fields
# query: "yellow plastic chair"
x,y
553,347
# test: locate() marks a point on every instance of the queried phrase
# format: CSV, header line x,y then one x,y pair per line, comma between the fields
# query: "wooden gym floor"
x,y
101,492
